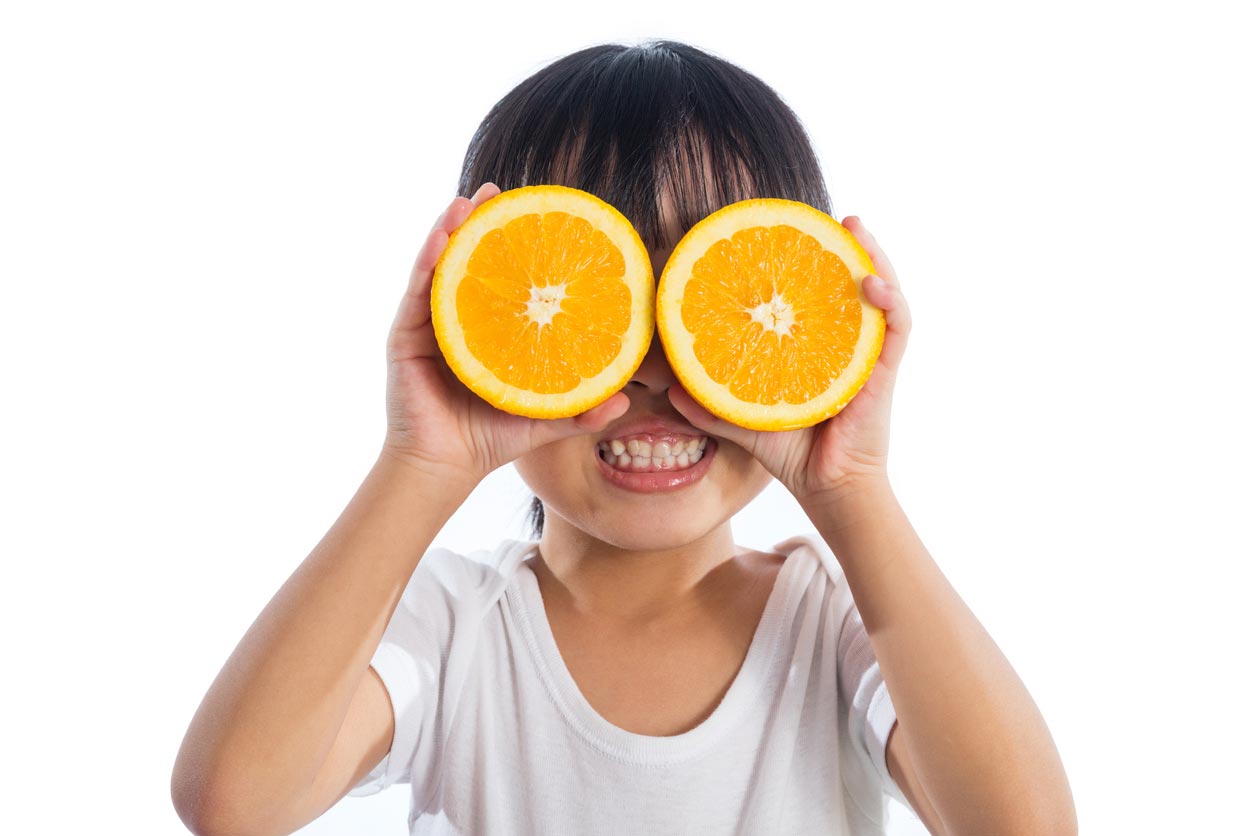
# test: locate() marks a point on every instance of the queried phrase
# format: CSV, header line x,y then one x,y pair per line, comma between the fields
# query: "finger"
x,y
593,420
461,207
408,336
897,320
707,421
455,215
414,310
485,193
448,222
883,267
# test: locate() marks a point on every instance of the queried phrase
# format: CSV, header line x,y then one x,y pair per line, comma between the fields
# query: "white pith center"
x,y
545,302
775,315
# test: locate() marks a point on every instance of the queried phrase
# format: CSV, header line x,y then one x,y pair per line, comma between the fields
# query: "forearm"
x,y
268,721
980,745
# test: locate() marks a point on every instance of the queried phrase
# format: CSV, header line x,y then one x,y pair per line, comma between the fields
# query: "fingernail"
x,y
878,282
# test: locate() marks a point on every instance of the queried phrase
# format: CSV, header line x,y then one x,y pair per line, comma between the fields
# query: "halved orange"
x,y
542,301
761,313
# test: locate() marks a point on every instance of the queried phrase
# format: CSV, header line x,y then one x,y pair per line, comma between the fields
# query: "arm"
x,y
256,747
970,747
296,718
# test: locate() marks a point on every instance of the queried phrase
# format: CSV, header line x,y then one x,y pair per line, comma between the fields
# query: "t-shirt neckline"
x,y
632,747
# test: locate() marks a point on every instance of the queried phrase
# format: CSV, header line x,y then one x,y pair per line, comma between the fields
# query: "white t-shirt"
x,y
494,736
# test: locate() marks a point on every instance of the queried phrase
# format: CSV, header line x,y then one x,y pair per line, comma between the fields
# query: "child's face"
x,y
579,491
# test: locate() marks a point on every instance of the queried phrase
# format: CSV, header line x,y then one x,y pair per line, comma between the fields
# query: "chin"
x,y
658,535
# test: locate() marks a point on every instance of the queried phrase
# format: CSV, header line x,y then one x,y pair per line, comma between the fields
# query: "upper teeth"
x,y
641,454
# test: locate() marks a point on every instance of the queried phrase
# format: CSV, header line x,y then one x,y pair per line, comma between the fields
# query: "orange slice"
x,y
542,301
761,313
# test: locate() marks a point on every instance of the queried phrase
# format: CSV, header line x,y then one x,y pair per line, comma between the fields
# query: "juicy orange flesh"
x,y
590,304
804,288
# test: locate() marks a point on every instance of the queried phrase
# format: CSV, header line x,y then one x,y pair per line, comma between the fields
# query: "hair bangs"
x,y
635,125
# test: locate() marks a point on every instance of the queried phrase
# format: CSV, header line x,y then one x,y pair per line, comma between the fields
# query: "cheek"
x,y
536,471
744,466
552,471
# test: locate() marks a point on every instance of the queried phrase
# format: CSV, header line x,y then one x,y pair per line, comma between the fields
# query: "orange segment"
x,y
762,318
542,302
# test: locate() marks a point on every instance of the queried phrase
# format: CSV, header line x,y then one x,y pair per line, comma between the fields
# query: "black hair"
x,y
632,123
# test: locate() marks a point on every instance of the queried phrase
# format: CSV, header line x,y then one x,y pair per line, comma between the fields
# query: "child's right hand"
x,y
434,421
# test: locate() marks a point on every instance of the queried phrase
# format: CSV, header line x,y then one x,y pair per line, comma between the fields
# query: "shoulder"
x,y
810,544
759,564
810,551
472,576
812,565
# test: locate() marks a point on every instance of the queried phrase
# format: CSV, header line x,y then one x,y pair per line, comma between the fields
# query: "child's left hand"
x,y
852,445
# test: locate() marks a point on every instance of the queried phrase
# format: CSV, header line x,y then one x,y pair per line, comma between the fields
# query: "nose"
x,y
655,373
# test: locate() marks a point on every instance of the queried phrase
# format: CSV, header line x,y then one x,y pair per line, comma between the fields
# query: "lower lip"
x,y
657,481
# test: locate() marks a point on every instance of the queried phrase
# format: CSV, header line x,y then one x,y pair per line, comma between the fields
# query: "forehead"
x,y
688,195
672,229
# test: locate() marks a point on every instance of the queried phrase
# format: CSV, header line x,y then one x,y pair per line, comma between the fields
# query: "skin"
x,y
970,750
653,620
594,542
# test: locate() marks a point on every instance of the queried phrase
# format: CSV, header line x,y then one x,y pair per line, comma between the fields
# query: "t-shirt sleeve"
x,y
410,660
871,712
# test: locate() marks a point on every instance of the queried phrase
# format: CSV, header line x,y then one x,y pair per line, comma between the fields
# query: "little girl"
x,y
631,670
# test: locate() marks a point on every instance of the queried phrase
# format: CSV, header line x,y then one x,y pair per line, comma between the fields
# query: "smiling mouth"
x,y
650,452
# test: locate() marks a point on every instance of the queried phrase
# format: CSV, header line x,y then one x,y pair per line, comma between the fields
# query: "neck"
x,y
636,585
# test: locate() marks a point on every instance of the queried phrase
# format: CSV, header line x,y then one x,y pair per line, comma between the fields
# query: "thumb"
x,y
703,419
591,421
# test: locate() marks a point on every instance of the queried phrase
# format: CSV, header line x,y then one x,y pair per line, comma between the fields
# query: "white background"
x,y
208,213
